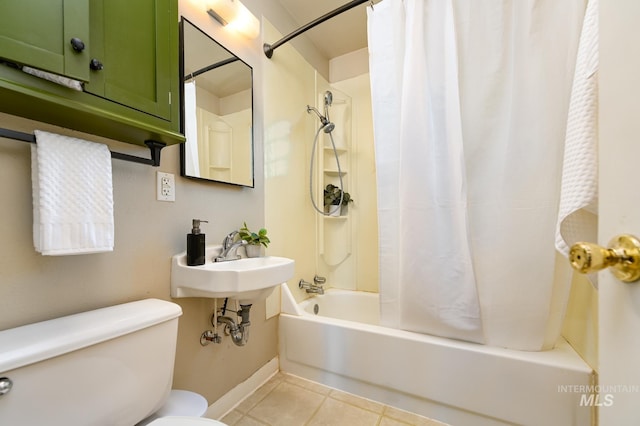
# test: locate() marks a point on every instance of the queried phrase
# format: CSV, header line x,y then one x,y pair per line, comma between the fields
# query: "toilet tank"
x,y
110,366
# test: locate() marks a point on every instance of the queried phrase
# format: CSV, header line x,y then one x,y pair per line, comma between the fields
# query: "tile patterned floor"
x,y
287,400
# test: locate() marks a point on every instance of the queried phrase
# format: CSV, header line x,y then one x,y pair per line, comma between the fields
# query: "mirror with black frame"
x,y
218,111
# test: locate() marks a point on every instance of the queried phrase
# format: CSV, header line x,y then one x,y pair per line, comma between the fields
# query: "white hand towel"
x,y
577,218
72,195
55,78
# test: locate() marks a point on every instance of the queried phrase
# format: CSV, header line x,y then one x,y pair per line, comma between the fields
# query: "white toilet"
x,y
111,366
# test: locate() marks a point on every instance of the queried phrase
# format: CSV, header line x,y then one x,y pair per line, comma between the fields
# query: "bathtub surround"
x,y
344,251
364,273
464,185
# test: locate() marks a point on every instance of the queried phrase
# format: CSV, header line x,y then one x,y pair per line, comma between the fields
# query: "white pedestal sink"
x,y
249,279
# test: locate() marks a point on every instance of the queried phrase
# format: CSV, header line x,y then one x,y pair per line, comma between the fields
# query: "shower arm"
x,y
269,48
324,119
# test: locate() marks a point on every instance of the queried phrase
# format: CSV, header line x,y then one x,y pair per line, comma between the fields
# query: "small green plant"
x,y
332,196
254,238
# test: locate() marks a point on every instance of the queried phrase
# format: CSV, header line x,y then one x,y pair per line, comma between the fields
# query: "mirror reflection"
x,y
218,111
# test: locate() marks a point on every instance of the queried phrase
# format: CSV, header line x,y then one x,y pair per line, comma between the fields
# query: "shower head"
x,y
328,128
328,98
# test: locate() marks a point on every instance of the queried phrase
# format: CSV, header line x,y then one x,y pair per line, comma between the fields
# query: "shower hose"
x,y
313,153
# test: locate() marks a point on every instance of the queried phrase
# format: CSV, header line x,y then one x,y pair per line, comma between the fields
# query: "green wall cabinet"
x,y
126,54
23,41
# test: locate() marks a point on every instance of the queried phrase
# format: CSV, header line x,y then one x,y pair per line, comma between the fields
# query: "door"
x,y
38,33
132,41
619,303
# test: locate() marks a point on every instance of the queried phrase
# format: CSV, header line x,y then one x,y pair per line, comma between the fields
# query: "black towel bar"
x,y
154,147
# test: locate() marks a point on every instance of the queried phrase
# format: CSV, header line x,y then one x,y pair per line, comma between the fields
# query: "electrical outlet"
x,y
166,187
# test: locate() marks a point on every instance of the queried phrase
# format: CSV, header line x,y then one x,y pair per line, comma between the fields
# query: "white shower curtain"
x,y
191,161
470,103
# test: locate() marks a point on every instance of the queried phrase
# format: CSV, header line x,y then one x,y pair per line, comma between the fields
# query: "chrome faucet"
x,y
229,248
312,288
228,240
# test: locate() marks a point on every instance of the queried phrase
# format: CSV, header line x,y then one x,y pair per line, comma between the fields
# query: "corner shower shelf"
x,y
339,150
335,233
334,173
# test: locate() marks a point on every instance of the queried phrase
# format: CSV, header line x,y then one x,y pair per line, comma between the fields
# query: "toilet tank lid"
x,y
36,342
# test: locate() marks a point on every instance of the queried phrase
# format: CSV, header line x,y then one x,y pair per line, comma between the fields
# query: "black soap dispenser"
x,y
195,245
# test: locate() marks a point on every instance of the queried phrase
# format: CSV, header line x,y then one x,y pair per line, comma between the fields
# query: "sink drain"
x,y
316,308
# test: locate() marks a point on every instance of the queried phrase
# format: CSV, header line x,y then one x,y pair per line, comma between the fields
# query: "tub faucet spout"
x,y
311,288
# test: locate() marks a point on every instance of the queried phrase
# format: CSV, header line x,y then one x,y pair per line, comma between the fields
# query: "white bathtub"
x,y
452,381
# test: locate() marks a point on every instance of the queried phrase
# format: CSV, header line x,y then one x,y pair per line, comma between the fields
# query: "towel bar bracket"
x,y
154,146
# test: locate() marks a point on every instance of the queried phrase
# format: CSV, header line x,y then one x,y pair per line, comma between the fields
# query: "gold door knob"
x,y
623,256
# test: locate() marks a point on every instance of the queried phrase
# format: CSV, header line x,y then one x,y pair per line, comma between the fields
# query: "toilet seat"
x,y
184,421
181,403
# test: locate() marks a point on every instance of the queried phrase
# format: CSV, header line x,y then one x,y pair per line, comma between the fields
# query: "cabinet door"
x,y
38,33
132,41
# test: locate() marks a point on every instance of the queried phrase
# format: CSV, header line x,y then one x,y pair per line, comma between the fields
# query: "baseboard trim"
x,y
235,396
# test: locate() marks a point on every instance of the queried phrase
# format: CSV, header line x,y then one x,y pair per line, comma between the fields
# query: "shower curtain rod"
x,y
269,48
210,67
153,146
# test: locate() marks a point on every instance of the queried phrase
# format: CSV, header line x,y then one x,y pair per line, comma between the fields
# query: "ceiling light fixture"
x,y
235,16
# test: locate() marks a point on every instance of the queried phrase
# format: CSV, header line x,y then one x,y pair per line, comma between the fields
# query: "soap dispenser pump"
x,y
196,244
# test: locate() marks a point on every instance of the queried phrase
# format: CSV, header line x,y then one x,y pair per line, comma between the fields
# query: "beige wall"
x,y
147,233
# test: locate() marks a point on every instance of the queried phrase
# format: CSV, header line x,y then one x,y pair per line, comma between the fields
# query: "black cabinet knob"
x,y
96,65
77,44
